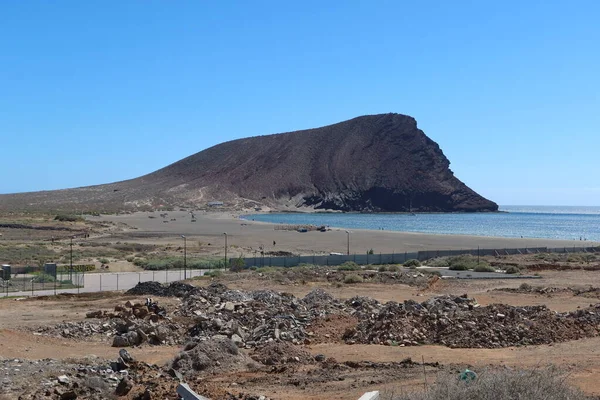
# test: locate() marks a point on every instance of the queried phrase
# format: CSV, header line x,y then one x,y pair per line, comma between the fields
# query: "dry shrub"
x,y
500,384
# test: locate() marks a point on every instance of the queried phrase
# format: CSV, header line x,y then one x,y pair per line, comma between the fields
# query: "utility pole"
x,y
184,256
71,262
225,233
348,243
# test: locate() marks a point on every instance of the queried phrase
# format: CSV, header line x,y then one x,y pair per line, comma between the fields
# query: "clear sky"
x,y
99,91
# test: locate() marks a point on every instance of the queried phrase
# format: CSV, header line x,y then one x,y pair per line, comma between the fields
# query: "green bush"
x,y
464,262
349,266
512,270
103,260
237,264
382,268
393,268
67,218
156,264
370,252
213,273
412,263
484,268
350,279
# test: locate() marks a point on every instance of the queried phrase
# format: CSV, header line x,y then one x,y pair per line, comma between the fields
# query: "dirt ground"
x,y
348,370
347,378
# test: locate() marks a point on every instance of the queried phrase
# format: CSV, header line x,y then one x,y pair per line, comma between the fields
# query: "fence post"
x,y
117,281
32,287
101,281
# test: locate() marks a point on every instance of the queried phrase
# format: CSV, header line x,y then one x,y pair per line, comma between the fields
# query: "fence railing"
x,y
80,282
399,258
26,282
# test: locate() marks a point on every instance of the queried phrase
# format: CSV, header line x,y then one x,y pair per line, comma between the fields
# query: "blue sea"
x,y
550,222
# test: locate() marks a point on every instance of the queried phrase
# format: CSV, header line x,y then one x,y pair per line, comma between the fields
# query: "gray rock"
x,y
120,341
124,387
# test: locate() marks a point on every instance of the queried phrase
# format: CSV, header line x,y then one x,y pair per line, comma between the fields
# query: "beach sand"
x,y
211,226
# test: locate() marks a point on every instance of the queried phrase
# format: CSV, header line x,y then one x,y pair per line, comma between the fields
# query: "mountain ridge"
x,y
369,163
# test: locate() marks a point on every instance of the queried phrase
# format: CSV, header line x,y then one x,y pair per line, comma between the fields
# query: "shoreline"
x,y
247,234
588,243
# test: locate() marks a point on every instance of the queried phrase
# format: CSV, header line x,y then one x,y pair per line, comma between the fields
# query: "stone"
x,y
124,354
63,380
124,387
94,314
68,395
120,341
239,342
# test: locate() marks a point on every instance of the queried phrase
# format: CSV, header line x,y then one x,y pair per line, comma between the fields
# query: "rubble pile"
x,y
591,291
277,353
253,318
52,379
130,324
220,354
460,322
137,323
153,288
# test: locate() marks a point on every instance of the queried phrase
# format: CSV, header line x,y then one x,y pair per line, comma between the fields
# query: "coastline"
x,y
248,235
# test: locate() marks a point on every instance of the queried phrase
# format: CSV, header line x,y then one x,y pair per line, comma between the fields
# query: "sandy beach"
x,y
245,235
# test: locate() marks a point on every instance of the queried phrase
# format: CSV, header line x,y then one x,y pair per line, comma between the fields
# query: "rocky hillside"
x,y
370,163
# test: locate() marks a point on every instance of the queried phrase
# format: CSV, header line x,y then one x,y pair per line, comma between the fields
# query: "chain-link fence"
x,y
31,280
36,283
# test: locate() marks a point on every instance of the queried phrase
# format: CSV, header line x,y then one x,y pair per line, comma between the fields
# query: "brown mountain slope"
x,y
370,163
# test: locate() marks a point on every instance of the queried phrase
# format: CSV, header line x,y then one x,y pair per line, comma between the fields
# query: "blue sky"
x,y
95,92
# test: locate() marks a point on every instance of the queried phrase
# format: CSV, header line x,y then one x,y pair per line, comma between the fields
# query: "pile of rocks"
x,y
129,324
277,353
254,318
249,319
53,379
136,323
219,354
460,322
590,291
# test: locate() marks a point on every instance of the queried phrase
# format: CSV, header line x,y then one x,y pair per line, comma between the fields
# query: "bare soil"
x,y
349,371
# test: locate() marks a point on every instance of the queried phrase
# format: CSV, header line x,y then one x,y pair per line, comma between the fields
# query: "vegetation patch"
x,y
412,263
350,279
349,266
68,218
501,384
156,264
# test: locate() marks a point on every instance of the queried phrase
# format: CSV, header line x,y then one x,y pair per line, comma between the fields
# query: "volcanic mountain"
x,y
371,163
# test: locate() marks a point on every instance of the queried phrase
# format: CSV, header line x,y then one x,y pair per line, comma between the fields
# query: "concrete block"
x,y
370,396
184,391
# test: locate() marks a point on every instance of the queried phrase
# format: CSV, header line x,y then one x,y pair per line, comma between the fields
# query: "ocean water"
x,y
550,222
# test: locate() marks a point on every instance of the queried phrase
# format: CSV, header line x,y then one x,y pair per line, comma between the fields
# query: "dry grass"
x,y
498,384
